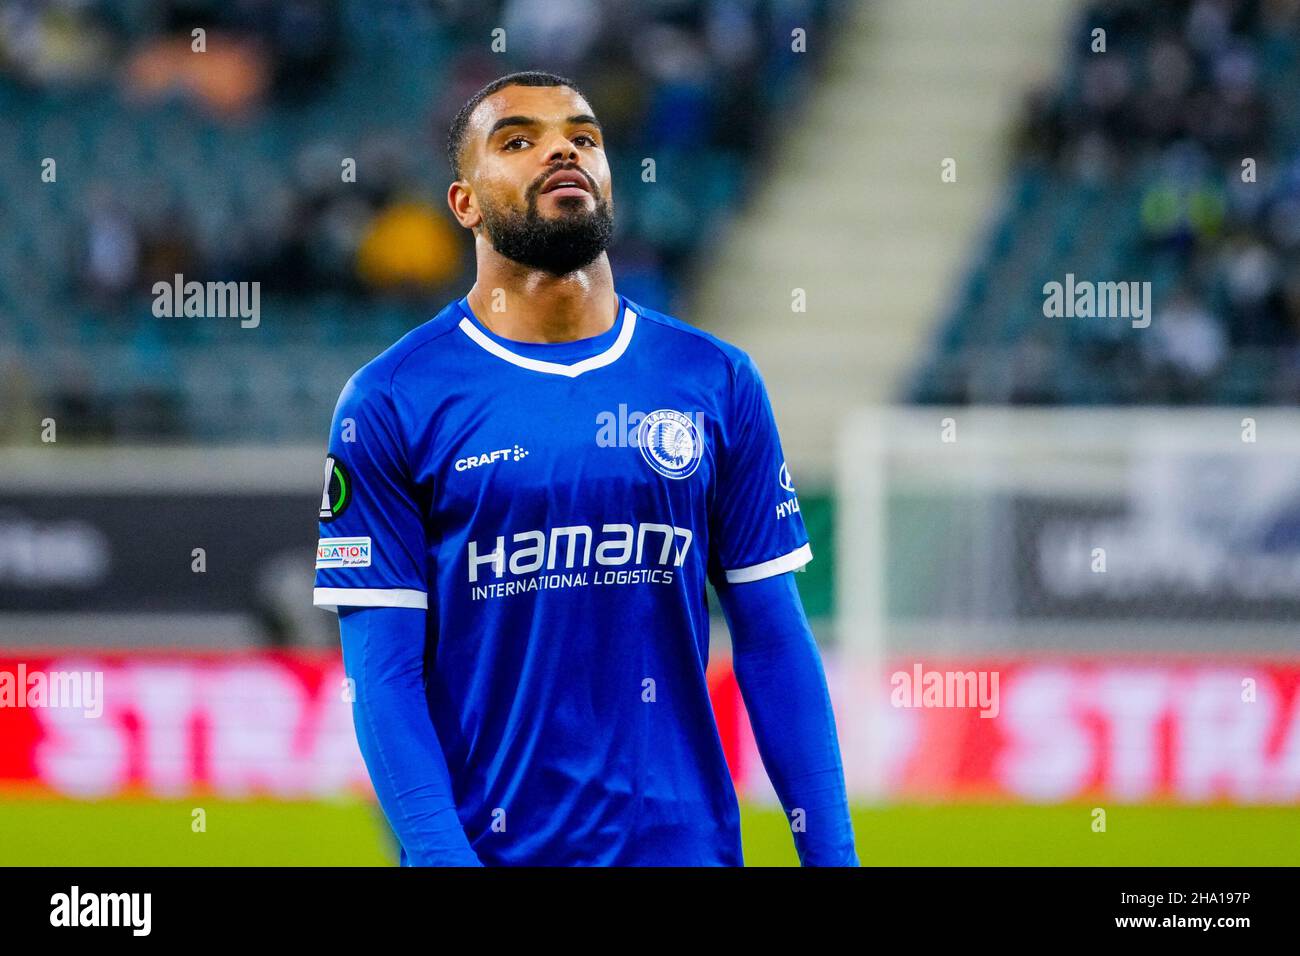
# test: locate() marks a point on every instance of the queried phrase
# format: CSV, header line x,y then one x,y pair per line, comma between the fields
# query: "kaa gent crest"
x,y
670,443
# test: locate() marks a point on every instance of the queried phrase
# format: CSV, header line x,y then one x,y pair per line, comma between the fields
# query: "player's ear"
x,y
464,206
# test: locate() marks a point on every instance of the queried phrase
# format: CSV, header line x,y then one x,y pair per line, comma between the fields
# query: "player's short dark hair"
x,y
456,134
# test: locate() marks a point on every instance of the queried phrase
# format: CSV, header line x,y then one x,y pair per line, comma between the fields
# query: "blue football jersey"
x,y
557,510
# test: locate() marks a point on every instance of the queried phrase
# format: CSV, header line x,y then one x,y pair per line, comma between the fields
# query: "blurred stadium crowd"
x,y
1171,156
228,165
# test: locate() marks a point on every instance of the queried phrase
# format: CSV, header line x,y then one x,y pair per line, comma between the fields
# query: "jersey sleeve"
x,y
371,551
756,529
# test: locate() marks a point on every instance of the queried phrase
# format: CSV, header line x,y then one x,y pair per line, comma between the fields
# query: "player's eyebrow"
x,y
511,121
578,119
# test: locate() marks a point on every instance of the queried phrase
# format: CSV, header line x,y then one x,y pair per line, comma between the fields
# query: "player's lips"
x,y
567,182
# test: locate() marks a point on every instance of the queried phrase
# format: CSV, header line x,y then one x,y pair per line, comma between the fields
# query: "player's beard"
x,y
559,244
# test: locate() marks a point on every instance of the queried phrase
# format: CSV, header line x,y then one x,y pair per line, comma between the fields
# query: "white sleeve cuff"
x,y
786,562
330,599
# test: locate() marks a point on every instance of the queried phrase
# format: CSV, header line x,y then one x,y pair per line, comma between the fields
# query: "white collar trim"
x,y
604,358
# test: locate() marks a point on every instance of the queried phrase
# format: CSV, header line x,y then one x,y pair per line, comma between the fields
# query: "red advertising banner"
x,y
1187,731
234,725
96,725
274,725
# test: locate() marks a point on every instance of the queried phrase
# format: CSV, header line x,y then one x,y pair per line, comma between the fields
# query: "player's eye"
x,y
510,143
581,137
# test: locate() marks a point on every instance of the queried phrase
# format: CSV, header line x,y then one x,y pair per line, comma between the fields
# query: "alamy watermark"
x,y
209,300
943,689
71,690
621,428
671,440
133,911
1084,299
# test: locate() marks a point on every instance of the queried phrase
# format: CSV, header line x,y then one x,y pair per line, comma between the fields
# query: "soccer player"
x,y
524,498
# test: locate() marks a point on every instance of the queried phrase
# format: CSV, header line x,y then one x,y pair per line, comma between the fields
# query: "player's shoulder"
x,y
696,342
378,375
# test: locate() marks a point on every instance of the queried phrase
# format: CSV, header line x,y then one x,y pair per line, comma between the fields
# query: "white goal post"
x,y
990,533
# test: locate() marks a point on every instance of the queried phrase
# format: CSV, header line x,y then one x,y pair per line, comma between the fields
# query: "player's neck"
x,y
529,305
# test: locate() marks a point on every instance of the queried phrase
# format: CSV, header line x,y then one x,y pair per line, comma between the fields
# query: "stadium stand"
x,y
227,166
1172,157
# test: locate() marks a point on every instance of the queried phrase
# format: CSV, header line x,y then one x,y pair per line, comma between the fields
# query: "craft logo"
x,y
517,453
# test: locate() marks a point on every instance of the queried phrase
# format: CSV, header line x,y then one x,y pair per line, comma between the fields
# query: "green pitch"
x,y
38,832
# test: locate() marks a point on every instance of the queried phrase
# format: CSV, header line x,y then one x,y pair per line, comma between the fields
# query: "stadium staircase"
x,y
854,212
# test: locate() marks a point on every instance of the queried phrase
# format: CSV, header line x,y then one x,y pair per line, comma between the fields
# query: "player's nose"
x,y
561,151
